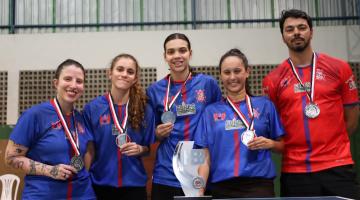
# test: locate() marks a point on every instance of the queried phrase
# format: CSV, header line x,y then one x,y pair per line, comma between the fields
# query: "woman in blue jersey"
x,y
238,134
50,140
123,128
178,101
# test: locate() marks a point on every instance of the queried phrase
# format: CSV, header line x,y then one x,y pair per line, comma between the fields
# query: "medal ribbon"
x,y
312,83
168,104
120,127
249,126
74,142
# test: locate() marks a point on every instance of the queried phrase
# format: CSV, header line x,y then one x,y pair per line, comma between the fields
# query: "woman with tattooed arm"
x,y
49,142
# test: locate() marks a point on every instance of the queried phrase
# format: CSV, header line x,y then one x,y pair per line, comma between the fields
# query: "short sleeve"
x,y
149,129
268,88
151,97
86,114
276,127
216,92
25,129
348,87
201,134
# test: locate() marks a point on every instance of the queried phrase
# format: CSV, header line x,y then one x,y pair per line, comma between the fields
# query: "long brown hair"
x,y
137,96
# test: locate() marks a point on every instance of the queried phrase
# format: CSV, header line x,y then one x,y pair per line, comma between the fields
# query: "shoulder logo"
x,y
351,83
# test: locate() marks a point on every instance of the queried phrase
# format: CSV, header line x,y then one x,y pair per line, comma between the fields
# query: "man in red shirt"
x,y
317,99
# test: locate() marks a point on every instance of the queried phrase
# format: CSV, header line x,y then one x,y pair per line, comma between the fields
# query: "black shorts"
x,y
337,181
131,193
165,192
243,188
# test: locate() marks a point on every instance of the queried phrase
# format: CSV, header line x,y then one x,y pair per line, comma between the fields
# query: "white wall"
x,y
95,50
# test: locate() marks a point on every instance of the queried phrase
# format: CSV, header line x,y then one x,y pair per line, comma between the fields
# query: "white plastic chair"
x,y
7,182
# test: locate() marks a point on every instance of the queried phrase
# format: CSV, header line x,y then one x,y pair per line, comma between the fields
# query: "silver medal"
x,y
312,110
121,139
77,162
247,136
168,116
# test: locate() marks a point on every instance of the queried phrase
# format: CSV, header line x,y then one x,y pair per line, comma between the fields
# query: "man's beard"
x,y
298,48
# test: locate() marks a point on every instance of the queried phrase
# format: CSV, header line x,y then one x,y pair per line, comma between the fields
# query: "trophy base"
x,y
192,198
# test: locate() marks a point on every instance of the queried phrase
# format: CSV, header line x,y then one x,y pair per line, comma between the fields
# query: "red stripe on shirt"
x,y
187,118
71,154
237,153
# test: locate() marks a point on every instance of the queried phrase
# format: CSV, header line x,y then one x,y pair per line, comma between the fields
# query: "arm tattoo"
x,y
32,167
54,171
18,164
43,168
13,161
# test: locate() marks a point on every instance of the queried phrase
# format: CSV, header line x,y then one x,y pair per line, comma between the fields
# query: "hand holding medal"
x,y
249,133
261,143
131,149
62,172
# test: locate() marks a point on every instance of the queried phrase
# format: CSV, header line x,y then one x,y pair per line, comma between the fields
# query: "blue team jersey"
x,y
110,167
220,131
40,130
199,91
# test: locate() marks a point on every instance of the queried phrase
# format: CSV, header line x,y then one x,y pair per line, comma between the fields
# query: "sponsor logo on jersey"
x,y
105,119
351,83
219,116
234,124
200,96
185,109
299,88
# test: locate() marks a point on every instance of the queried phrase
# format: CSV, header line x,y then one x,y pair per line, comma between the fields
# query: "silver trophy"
x,y
186,162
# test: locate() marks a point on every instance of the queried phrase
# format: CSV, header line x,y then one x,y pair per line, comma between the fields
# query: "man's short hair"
x,y
294,13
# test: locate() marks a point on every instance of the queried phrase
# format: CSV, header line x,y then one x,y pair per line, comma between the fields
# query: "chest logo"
x,y
200,96
219,116
105,119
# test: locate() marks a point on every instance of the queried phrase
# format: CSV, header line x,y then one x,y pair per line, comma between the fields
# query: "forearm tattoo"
x,y
43,169
54,171
32,167
14,162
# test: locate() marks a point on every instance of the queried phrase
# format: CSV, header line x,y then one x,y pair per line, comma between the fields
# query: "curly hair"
x,y
137,97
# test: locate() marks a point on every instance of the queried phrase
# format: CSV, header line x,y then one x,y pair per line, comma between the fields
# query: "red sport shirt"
x,y
313,144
